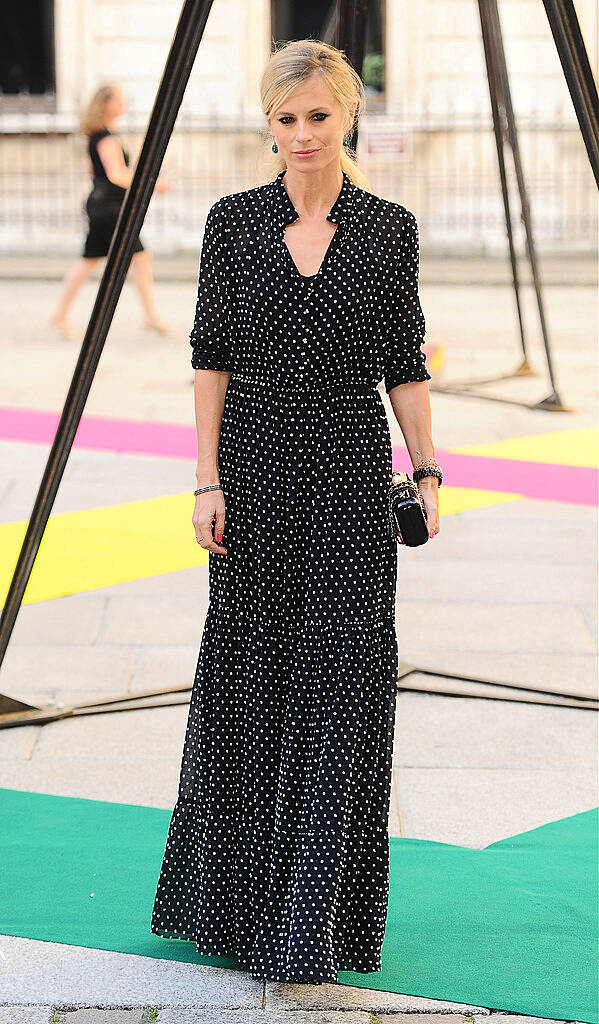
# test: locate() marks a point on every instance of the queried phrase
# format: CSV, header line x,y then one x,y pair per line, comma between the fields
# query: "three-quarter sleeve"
x,y
210,335
404,358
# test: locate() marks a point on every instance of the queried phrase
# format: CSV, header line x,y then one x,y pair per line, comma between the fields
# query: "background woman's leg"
x,y
76,275
141,270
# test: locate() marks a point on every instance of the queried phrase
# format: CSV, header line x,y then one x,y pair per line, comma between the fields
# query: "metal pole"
x,y
179,64
351,38
572,53
553,400
499,127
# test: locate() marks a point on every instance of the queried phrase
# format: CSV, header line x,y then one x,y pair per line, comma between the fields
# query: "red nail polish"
x,y
219,537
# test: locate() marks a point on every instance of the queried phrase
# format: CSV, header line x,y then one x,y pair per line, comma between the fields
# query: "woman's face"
x,y
310,119
115,104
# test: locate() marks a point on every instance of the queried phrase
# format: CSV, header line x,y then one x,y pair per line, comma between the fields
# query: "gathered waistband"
x,y
361,387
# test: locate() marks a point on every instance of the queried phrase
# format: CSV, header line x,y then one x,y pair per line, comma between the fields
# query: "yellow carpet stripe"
x,y
97,547
562,447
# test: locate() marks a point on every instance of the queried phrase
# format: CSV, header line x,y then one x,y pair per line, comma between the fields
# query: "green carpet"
x,y
510,927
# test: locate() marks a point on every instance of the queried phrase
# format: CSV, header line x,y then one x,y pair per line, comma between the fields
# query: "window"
x,y
313,19
26,48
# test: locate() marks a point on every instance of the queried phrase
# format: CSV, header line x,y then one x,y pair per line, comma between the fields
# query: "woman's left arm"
x,y
406,375
412,408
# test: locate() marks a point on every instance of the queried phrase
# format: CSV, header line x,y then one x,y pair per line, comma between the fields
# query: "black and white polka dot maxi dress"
x,y
278,850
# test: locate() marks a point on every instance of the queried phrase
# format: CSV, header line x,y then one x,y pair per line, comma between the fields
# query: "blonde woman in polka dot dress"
x,y
278,849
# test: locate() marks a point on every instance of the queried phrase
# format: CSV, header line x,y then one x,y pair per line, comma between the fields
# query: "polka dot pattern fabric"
x,y
277,851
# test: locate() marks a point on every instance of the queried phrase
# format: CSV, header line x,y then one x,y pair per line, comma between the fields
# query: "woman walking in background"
x,y
278,847
108,162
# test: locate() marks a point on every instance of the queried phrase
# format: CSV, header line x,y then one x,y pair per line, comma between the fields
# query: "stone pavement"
x,y
506,591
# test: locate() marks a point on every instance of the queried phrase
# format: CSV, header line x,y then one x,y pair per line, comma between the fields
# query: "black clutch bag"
x,y
407,511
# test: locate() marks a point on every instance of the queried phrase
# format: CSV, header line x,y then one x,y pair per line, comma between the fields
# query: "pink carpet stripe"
x,y
105,433
576,485
545,481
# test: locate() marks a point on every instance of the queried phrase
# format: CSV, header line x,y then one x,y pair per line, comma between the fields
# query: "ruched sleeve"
x,y
210,335
404,358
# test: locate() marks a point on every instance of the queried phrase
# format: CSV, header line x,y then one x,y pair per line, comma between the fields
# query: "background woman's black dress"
x,y
103,203
277,850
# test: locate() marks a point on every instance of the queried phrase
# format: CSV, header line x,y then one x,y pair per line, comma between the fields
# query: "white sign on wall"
x,y
388,139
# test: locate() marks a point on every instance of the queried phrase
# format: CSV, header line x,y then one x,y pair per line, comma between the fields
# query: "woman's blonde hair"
x,y
289,66
93,117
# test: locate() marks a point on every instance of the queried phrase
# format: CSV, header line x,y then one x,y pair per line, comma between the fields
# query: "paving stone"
x,y
534,511
18,743
96,1015
565,673
68,669
126,781
266,1016
134,736
59,621
75,977
159,666
22,1014
474,807
466,733
92,478
193,582
282,996
492,627
464,538
514,1018
434,1018
180,621
395,824
571,581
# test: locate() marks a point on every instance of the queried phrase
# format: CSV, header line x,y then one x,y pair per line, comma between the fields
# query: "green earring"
x,y
346,142
275,148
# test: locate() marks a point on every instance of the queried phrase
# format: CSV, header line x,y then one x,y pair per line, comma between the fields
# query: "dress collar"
x,y
286,212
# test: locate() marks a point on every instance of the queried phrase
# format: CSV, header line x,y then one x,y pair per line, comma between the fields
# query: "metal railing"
x,y
441,165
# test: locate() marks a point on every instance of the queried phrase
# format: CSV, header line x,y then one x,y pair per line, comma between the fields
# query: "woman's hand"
x,y
429,489
209,508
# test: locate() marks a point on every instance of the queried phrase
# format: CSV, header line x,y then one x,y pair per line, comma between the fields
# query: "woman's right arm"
x,y
210,387
212,360
111,154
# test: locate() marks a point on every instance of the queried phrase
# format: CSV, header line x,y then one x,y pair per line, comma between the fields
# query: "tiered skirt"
x,y
277,851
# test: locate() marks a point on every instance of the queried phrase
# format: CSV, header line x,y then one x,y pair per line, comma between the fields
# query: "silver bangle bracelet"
x,y
210,487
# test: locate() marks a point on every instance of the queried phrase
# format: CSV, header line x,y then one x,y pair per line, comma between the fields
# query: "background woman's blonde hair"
x,y
289,66
93,117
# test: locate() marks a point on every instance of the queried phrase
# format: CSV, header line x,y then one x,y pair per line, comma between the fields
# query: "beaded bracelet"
x,y
430,467
210,487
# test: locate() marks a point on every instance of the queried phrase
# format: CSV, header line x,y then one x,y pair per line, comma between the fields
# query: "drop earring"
x,y
346,142
275,148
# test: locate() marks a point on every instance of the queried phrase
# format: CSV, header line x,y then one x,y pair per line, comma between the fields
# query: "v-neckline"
x,y
323,262
337,215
